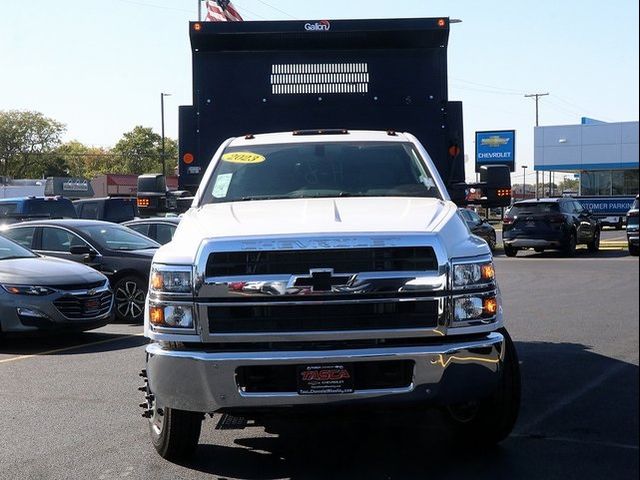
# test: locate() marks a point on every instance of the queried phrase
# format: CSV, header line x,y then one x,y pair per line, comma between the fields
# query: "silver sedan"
x,y
45,293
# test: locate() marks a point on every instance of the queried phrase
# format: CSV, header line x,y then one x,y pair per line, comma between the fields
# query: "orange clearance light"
x,y
156,315
488,272
442,22
197,27
187,158
144,202
157,281
490,305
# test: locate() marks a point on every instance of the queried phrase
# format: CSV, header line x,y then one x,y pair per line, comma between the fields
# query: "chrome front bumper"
x,y
447,372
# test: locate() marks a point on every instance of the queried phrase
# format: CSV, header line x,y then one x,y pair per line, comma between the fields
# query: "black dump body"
x,y
262,77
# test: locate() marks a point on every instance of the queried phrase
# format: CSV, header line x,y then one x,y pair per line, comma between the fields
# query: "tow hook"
x,y
147,406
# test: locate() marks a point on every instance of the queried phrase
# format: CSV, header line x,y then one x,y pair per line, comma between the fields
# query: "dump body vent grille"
x,y
315,78
298,262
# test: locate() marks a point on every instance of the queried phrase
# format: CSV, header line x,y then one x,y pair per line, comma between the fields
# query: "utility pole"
x,y
199,10
537,97
164,161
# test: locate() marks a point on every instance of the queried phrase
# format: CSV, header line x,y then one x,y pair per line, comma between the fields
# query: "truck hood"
x,y
317,215
311,216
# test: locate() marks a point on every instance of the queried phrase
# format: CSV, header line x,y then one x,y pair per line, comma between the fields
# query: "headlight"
x,y
473,274
171,316
471,308
33,290
171,279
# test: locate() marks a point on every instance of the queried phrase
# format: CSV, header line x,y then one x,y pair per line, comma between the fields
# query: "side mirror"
x,y
82,250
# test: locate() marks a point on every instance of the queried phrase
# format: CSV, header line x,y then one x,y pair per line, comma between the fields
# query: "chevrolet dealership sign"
x,y
496,148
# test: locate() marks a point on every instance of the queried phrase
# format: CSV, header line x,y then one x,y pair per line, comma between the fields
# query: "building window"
x,y
609,182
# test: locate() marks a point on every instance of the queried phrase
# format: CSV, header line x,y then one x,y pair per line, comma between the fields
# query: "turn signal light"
x,y
442,22
187,158
144,203
197,27
488,272
504,192
490,305
157,281
156,315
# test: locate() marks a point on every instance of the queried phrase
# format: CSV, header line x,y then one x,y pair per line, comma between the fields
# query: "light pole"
x,y
164,162
524,180
537,98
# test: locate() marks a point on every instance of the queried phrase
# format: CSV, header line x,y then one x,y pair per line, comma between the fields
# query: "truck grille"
x,y
296,262
274,318
84,306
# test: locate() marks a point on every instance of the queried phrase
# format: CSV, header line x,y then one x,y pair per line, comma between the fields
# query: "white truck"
x,y
324,269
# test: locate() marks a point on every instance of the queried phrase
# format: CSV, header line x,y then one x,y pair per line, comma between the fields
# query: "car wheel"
x,y
570,247
510,251
129,295
492,242
594,245
633,250
490,421
539,250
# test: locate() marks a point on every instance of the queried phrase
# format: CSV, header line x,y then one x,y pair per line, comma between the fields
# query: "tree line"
x,y
31,147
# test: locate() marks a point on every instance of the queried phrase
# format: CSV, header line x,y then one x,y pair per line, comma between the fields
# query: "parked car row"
x,y
46,253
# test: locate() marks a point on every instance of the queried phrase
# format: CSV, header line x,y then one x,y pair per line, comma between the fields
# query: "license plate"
x,y
530,224
325,379
92,304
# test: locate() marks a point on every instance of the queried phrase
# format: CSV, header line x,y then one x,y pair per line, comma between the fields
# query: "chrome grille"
x,y
296,262
313,316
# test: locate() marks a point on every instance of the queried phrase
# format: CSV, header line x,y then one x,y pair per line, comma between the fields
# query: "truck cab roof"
x,y
311,136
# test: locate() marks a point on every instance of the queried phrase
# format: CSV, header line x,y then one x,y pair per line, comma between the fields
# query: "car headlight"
x,y
470,308
171,316
171,279
466,275
33,290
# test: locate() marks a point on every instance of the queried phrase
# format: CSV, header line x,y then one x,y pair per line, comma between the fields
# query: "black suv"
x,y
109,209
550,223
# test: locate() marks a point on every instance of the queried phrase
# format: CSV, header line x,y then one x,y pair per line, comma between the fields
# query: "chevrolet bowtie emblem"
x,y
494,141
321,280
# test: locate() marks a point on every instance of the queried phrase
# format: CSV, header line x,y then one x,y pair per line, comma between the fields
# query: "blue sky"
x,y
99,65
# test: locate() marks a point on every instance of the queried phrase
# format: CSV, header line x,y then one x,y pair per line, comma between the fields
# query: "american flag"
x,y
221,11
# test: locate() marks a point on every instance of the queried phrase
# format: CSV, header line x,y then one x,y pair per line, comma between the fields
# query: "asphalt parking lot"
x,y
69,407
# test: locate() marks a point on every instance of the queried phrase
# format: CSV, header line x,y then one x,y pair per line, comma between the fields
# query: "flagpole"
x,y
199,10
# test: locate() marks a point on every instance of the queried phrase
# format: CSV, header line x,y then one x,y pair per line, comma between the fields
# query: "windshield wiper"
x,y
13,257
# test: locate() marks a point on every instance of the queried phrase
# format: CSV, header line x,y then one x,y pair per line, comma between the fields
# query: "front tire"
x,y
510,251
175,433
633,250
570,247
490,421
594,245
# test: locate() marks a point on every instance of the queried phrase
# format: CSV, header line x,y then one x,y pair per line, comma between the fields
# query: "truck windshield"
x,y
320,170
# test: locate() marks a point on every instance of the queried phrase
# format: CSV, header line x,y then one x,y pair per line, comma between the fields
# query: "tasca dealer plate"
x,y
325,379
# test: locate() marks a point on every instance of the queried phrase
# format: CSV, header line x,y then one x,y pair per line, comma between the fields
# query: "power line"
x,y
276,8
153,5
514,91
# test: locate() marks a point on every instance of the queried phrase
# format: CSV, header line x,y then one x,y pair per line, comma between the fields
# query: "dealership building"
x,y
604,156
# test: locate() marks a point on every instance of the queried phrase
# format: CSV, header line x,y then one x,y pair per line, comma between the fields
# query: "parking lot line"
x,y
572,397
59,350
